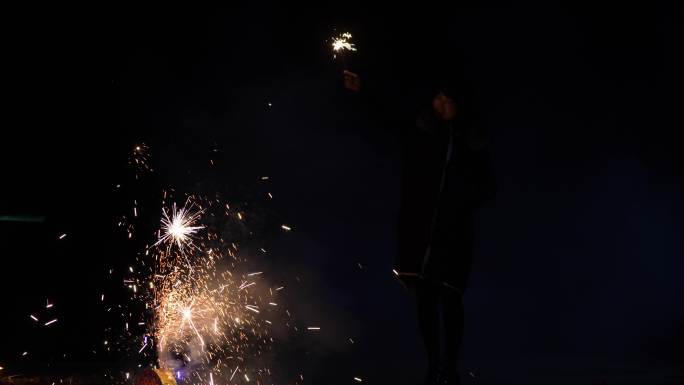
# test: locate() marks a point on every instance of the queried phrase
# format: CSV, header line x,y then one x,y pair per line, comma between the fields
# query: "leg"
x,y
458,266
452,304
429,321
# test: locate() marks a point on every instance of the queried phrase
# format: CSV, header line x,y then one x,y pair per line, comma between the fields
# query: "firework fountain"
x,y
209,315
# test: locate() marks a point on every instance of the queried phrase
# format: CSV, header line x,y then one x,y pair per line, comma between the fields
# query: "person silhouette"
x,y
446,176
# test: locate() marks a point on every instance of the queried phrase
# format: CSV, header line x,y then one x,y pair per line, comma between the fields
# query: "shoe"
x,y
449,377
432,378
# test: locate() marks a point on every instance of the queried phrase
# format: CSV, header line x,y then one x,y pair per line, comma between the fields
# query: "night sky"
x,y
579,261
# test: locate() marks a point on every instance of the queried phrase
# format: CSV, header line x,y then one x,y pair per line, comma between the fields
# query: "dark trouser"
x,y
440,315
440,293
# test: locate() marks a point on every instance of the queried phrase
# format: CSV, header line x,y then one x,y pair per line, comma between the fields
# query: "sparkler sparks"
x,y
343,43
139,159
179,228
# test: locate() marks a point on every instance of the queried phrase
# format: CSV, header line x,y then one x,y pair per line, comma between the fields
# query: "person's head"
x,y
448,93
444,107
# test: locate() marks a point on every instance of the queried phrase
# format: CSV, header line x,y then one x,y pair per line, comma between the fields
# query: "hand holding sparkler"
x,y
352,82
340,45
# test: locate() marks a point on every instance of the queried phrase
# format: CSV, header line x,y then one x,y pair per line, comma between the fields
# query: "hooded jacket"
x,y
446,174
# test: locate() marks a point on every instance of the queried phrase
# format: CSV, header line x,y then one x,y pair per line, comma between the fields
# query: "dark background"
x,y
579,260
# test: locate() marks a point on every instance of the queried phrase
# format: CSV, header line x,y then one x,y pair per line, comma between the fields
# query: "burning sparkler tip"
x,y
343,43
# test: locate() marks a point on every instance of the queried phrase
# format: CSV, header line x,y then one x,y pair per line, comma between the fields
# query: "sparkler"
x,y
342,43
